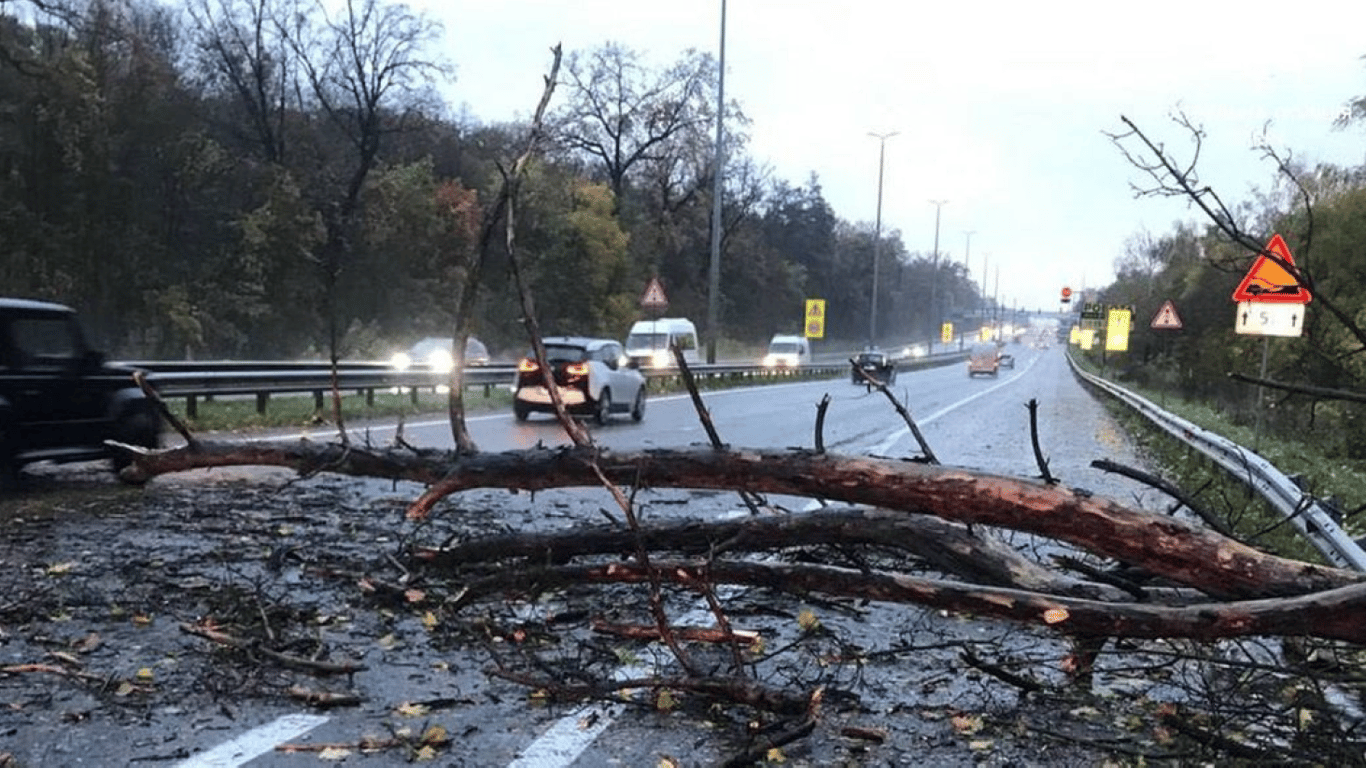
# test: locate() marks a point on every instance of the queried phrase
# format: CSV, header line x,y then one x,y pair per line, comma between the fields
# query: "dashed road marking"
x,y
254,743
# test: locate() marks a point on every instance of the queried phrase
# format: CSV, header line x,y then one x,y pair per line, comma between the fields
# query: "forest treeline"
x,y
262,179
274,179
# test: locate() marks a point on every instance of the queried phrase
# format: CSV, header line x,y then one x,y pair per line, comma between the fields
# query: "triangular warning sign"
x,y
1166,318
1269,282
654,295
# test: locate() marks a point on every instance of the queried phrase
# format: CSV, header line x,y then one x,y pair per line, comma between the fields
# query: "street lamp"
x,y
718,170
877,232
934,274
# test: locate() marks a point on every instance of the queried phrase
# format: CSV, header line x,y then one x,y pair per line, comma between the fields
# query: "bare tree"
x,y
365,69
622,115
243,51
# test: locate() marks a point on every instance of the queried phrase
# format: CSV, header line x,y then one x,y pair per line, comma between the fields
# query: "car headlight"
x,y
770,361
440,360
401,361
660,359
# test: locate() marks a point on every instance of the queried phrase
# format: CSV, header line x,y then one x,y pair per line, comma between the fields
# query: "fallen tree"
x,y
1180,552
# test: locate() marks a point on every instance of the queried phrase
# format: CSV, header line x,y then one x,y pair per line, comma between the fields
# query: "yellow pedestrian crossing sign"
x,y
1117,330
815,318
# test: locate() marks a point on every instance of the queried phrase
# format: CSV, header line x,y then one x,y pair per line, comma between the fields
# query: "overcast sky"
x,y
1000,107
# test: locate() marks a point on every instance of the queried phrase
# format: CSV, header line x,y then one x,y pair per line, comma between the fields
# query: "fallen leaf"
x,y
408,709
966,724
435,735
334,753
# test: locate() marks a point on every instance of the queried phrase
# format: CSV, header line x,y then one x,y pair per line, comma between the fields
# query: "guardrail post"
x,y
369,398
412,394
192,406
261,399
317,399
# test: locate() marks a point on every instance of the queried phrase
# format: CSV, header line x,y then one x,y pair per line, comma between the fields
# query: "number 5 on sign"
x,y
1258,318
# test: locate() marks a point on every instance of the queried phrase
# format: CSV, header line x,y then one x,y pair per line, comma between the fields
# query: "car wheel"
x,y
520,412
638,408
604,412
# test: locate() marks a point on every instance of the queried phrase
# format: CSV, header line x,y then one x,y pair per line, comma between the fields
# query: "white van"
x,y
649,342
787,352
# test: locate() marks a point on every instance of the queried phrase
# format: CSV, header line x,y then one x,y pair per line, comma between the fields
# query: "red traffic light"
x,y
1066,294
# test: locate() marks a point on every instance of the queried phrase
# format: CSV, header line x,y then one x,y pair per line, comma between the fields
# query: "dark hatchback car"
x,y
877,364
59,400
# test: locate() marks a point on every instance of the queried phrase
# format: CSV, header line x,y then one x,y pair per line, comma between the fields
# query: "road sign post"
x,y
1270,303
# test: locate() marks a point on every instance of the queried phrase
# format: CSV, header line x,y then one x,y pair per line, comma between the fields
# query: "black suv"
x,y
59,401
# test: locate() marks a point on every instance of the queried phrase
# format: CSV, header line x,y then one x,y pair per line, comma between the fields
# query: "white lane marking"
x,y
254,743
885,447
569,736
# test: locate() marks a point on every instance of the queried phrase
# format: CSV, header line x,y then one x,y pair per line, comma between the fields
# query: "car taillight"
x,y
576,369
527,365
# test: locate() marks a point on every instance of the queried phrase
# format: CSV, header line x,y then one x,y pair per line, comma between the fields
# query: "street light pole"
x,y
934,274
718,171
877,232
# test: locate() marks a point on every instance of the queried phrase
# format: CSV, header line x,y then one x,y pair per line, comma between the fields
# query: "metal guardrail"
x,y
194,380
1309,515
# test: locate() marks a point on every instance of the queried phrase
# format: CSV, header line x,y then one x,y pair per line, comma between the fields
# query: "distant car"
x,y
594,378
1006,360
985,358
875,363
787,352
435,353
59,400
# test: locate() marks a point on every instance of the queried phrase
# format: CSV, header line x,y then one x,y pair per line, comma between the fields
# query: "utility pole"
x,y
934,275
718,163
877,234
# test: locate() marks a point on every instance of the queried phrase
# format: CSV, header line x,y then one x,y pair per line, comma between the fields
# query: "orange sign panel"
x,y
1270,282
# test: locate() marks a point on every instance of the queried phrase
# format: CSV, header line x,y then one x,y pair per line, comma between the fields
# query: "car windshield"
x,y
784,347
648,341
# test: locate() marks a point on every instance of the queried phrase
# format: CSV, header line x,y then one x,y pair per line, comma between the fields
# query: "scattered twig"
x,y
1044,474
318,667
323,699
1305,389
140,378
925,449
1211,519
821,408
1025,684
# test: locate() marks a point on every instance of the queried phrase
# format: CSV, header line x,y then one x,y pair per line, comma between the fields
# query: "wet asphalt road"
x,y
414,680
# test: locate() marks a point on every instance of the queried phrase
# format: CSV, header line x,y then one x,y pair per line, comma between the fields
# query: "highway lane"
x,y
979,423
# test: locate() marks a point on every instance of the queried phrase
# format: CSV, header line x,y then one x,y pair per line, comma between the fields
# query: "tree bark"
x,y
1167,547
